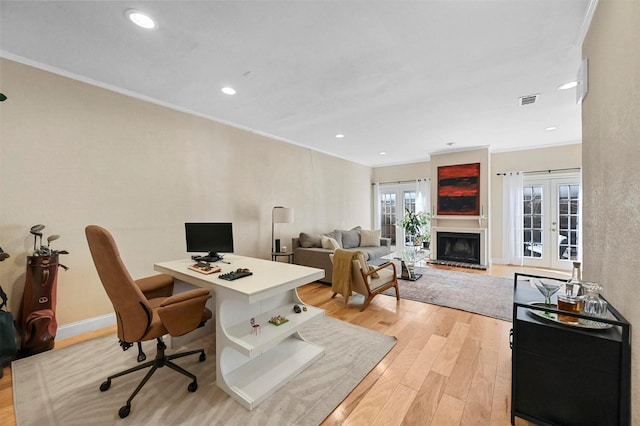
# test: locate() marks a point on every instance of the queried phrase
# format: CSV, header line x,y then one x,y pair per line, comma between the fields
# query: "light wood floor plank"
x,y
425,404
417,373
465,367
396,407
478,402
446,361
449,411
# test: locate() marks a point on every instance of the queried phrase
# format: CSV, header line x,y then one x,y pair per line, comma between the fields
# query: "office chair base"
x,y
160,361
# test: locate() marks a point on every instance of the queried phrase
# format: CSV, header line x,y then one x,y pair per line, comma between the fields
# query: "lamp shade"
x,y
282,215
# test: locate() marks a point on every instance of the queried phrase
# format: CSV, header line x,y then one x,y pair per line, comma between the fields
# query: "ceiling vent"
x,y
527,100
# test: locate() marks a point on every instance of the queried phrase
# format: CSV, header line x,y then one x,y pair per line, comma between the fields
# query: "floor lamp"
x,y
279,214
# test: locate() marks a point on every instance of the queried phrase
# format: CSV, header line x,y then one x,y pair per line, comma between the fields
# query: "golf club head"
x,y
52,238
3,255
36,229
60,252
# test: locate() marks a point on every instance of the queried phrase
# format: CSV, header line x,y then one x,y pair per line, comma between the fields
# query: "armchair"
x,y
145,310
360,277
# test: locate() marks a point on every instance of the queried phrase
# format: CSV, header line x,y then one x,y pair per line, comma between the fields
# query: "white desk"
x,y
250,367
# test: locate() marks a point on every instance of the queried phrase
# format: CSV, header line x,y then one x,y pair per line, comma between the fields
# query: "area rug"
x,y
480,294
61,387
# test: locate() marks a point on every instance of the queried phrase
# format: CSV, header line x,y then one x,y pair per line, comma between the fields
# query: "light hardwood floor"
x,y
448,367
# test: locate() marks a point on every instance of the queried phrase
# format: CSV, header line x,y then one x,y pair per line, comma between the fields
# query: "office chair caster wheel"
x,y
124,411
193,386
141,357
105,386
202,357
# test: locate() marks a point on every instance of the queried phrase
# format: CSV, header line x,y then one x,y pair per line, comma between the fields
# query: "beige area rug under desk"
x,y
61,387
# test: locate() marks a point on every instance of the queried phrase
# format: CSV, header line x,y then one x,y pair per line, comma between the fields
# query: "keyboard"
x,y
230,276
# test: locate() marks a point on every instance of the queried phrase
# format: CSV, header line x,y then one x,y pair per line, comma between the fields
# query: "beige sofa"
x,y
308,249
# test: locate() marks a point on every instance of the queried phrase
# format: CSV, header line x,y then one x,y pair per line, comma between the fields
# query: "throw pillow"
x,y
365,266
329,243
310,240
370,238
336,234
351,238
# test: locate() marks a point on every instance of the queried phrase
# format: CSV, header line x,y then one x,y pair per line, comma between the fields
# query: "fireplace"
x,y
461,247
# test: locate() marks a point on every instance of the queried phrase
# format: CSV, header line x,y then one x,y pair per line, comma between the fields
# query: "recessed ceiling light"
x,y
339,135
383,153
450,143
141,19
568,85
551,128
228,91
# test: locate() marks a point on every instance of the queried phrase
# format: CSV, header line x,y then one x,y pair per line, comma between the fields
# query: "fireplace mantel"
x,y
481,231
480,218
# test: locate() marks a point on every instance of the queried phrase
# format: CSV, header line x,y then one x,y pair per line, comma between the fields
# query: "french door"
x,y
551,221
395,200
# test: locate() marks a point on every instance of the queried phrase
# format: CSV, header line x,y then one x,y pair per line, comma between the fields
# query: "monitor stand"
x,y
211,257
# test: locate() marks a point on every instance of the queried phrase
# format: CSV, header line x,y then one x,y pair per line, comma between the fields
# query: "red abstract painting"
x,y
459,189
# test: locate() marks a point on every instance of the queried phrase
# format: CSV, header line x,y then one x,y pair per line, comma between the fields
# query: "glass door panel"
x,y
551,221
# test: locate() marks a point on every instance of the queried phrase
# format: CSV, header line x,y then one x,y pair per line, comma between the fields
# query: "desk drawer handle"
x,y
511,339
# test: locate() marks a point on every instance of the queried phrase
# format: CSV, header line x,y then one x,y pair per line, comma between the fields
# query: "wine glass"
x,y
547,287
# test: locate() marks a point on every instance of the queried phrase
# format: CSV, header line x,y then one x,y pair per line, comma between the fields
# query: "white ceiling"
x,y
404,77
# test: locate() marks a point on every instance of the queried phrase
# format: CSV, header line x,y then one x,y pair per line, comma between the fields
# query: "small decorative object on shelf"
x,y
278,320
296,309
255,327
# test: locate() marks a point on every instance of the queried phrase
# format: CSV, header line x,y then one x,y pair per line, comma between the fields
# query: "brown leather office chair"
x,y
145,310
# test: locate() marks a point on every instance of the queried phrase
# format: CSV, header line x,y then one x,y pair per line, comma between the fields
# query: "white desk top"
x,y
268,277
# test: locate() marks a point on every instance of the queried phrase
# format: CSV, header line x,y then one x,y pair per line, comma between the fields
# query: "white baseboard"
x,y
91,324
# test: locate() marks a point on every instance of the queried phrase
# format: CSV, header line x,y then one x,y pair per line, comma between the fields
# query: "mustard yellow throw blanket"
x,y
341,282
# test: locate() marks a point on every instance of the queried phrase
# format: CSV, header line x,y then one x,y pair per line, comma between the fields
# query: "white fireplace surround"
x,y
481,231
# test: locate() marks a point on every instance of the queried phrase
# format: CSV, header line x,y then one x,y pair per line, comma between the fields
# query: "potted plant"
x,y
426,240
414,223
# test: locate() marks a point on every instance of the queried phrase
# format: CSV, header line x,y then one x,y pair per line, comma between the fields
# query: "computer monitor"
x,y
212,238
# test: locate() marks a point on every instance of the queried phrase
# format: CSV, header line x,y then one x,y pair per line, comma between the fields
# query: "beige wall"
x,y
72,154
402,172
611,154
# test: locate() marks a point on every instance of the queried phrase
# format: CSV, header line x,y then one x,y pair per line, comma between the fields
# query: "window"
x,y
395,199
532,216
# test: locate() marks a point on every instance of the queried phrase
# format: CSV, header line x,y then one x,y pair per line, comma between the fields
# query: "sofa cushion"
x,y
374,252
329,243
370,238
336,234
351,238
310,240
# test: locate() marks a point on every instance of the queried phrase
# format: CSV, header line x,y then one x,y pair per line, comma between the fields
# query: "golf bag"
x,y
37,315
8,347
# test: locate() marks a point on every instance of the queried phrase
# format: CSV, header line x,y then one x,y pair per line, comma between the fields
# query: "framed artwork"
x,y
459,189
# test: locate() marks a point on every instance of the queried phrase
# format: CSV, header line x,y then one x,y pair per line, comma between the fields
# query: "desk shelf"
x,y
254,381
241,339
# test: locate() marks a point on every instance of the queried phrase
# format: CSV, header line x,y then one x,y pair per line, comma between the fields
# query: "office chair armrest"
x,y
183,312
156,286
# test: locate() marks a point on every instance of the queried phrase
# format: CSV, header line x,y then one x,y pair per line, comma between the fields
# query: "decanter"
x,y
574,285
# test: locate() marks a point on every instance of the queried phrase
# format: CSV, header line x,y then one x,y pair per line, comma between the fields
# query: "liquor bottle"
x,y
574,285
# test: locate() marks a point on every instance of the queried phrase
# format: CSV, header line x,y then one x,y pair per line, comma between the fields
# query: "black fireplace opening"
x,y
459,247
